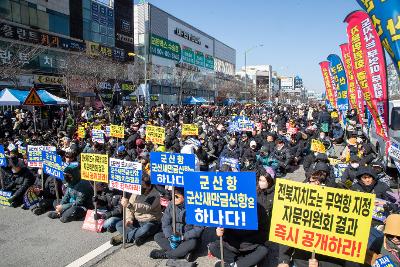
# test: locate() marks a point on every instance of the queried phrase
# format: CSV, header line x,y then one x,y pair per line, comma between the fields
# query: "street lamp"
x,y
245,64
131,54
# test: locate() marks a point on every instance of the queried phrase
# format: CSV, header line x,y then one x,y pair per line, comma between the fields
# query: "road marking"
x,y
91,255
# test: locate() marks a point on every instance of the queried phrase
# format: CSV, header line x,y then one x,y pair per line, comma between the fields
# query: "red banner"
x,y
329,83
355,101
369,66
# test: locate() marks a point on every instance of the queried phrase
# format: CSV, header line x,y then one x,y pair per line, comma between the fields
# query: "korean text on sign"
x,y
329,221
117,131
126,176
35,157
317,146
233,163
53,165
241,124
81,132
4,198
384,262
221,199
3,160
155,134
394,151
94,167
170,168
190,130
98,136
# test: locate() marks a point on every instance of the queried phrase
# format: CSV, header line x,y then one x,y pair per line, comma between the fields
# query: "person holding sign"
x,y
143,215
391,243
187,237
22,178
77,198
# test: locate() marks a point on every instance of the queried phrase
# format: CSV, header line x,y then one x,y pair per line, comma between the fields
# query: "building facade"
x,y
61,28
181,58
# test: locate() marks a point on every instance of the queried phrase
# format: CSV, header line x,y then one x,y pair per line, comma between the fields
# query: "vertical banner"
x,y
355,96
94,167
385,17
369,67
126,176
170,168
221,199
3,160
328,221
339,76
329,84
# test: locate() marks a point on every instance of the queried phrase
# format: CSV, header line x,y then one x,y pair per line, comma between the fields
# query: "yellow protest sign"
x,y
190,129
332,222
117,131
81,132
94,167
155,134
97,127
317,146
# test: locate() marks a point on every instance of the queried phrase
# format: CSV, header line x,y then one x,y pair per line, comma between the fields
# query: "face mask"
x,y
355,165
263,184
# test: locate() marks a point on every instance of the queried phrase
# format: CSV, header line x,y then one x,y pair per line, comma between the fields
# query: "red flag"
x,y
354,92
369,67
330,86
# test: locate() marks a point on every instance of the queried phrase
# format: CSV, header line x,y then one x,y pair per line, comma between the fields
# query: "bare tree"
x,y
182,78
15,59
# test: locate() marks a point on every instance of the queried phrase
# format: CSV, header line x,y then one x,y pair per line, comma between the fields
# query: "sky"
x,y
296,34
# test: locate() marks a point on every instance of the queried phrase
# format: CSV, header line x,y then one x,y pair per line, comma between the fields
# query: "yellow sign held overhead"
x,y
155,134
190,130
328,221
33,99
94,167
81,132
117,131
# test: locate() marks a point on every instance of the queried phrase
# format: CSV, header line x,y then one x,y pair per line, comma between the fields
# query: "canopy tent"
x,y
202,100
14,97
191,101
229,101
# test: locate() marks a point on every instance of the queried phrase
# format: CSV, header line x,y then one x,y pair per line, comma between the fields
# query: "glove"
x,y
174,241
98,216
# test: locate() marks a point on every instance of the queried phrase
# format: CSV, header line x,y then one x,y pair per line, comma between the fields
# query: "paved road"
x,y
29,240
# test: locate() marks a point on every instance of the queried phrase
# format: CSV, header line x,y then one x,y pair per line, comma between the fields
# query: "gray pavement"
x,y
29,240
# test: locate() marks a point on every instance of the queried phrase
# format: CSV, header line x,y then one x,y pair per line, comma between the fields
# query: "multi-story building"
x,y
261,77
60,28
182,60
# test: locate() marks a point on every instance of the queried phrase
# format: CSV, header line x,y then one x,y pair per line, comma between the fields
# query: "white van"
x,y
394,133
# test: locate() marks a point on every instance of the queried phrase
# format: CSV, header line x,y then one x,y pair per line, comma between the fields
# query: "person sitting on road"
x,y
143,215
367,182
109,199
283,156
21,179
350,174
77,198
187,237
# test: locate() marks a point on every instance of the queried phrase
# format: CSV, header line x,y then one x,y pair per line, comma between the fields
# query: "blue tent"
x,y
14,97
229,101
191,101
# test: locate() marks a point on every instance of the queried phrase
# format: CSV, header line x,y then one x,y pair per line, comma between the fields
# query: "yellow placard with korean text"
x,y
81,132
98,127
155,134
317,146
94,167
117,131
328,221
190,130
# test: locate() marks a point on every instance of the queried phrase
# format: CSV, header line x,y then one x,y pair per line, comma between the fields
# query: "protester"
x,y
186,238
143,216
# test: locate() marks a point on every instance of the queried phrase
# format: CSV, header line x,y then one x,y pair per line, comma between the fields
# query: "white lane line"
x,y
91,255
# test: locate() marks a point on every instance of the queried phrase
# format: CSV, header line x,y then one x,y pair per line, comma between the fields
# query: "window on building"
x,y
33,20
24,13
58,23
5,9
43,20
